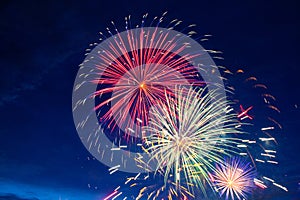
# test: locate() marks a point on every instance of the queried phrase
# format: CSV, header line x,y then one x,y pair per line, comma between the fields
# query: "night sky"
x,y
42,44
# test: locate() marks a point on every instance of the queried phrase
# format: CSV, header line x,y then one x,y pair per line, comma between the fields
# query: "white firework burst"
x,y
191,132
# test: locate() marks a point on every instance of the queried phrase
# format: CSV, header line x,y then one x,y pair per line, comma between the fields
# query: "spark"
x,y
268,155
258,160
113,168
280,186
117,196
270,151
267,139
113,171
268,128
268,179
244,113
260,183
273,162
110,195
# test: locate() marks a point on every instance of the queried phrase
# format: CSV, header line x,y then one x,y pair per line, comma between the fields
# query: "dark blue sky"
x,y
43,42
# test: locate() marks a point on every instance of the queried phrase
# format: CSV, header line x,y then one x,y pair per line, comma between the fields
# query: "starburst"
x,y
234,179
190,132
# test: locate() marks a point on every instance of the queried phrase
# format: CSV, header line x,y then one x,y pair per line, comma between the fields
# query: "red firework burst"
x,y
135,72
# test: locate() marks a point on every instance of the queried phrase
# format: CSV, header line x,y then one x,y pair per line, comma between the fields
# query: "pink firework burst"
x,y
234,179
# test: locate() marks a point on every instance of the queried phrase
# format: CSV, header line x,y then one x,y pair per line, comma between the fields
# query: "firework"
x,y
124,76
164,82
129,72
135,73
234,179
189,134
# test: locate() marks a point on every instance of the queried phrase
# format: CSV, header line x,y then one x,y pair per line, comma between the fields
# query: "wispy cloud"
x,y
21,191
14,197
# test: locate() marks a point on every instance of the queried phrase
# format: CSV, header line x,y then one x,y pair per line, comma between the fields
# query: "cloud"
x,y
14,197
20,191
